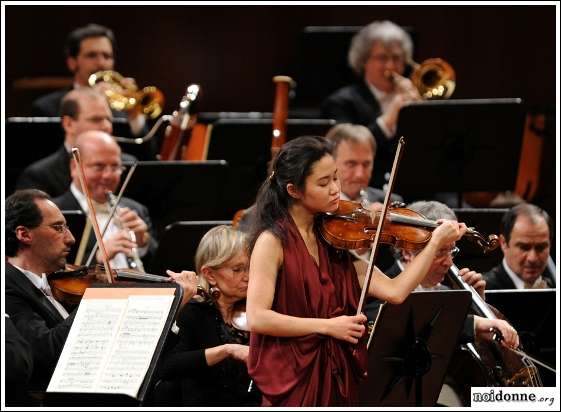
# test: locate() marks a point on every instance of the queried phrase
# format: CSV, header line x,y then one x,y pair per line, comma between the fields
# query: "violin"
x,y
352,226
68,285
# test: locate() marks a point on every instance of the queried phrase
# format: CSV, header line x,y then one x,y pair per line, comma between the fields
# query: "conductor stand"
x,y
458,146
410,348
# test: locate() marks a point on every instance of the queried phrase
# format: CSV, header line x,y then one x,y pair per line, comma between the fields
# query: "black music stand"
x,y
410,348
246,145
459,146
144,395
178,244
532,313
180,190
76,221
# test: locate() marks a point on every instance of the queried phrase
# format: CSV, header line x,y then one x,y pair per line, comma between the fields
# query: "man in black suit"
x,y
354,150
525,241
82,110
378,55
37,243
130,232
475,326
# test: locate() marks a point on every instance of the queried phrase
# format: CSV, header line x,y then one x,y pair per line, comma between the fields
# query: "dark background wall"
x,y
234,51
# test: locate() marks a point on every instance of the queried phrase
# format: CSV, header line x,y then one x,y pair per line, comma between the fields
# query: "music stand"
x,y
178,244
76,221
180,190
532,313
410,348
246,145
145,392
459,146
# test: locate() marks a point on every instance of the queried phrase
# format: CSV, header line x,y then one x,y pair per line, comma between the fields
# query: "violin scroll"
x,y
488,245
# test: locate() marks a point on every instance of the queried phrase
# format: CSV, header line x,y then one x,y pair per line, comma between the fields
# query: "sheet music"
x,y
111,344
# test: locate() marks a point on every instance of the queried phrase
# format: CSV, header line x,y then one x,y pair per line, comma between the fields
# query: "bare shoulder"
x,y
269,246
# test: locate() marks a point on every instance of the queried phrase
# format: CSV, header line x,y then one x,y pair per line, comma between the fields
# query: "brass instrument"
x,y
121,96
433,78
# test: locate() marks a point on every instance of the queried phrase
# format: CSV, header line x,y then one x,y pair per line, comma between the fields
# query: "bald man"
x,y
131,232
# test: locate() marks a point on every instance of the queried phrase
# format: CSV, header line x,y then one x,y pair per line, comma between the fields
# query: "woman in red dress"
x,y
305,346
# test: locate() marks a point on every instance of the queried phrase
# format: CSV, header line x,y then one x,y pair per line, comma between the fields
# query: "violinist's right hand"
x,y
238,352
188,282
448,231
347,328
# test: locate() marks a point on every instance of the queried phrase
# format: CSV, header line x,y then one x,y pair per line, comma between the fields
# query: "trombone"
x,y
433,78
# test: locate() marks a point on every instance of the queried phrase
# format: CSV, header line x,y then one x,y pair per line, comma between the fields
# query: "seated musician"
x,y
354,150
37,243
88,49
525,241
475,327
208,364
81,110
101,158
378,54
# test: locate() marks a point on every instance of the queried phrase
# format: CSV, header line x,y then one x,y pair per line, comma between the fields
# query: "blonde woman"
x,y
209,361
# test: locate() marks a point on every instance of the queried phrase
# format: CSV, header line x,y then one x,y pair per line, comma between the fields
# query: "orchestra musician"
x,y
378,55
101,157
475,327
525,241
81,110
208,364
37,243
88,49
354,151
305,345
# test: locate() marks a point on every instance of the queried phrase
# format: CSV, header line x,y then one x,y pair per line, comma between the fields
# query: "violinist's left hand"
x,y
475,280
188,282
131,221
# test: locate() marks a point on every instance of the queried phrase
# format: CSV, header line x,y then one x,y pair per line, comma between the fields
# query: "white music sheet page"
x,y
111,344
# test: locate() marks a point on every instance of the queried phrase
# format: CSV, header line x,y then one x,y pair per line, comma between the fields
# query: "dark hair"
x,y
21,210
293,164
533,212
76,36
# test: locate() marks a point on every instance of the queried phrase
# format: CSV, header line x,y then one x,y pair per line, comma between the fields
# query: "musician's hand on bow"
x,y
475,280
188,282
486,329
348,328
131,221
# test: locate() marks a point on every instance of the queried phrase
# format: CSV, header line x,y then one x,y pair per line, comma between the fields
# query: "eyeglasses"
x,y
59,227
445,253
384,58
99,168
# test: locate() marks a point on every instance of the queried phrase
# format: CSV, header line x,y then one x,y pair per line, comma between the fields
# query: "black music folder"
x,y
180,190
410,348
459,146
122,352
178,245
246,145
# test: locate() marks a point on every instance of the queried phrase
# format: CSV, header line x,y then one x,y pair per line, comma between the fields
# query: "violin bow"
x,y
383,214
113,210
91,215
